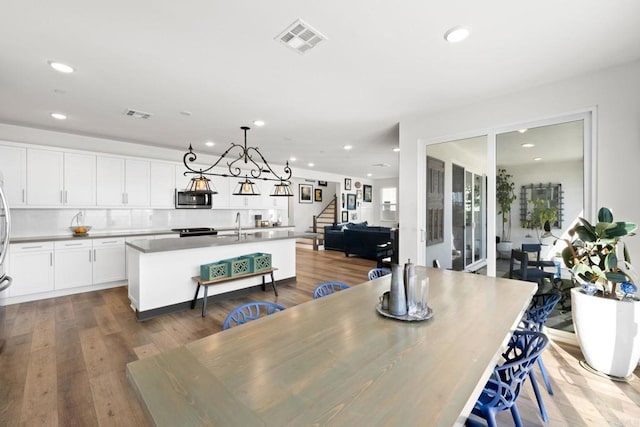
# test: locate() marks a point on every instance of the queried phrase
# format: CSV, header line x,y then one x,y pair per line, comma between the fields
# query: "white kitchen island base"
x,y
161,272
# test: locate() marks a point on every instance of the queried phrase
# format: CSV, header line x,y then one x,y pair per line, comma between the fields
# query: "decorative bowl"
x,y
80,229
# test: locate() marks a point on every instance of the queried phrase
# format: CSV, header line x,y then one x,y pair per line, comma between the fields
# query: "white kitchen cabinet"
x,y
136,183
108,260
162,177
55,178
45,177
79,179
13,167
122,182
31,266
73,263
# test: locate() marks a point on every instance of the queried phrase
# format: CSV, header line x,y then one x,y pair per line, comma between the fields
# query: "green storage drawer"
x,y
259,261
214,270
237,266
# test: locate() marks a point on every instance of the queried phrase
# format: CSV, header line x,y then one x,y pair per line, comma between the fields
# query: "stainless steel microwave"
x,y
193,200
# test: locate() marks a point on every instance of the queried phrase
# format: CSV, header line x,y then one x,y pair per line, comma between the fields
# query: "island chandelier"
x,y
256,167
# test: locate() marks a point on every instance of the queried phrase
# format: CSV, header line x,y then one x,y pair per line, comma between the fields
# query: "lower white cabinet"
x,y
73,263
108,260
31,266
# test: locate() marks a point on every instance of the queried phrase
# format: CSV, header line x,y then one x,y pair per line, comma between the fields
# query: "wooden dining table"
x,y
337,361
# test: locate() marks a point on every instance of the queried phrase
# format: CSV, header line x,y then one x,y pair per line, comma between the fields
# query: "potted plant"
x,y
540,217
606,316
505,195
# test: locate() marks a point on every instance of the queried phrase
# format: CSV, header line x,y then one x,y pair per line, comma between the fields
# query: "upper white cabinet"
x,y
55,178
79,179
13,167
163,184
122,182
45,177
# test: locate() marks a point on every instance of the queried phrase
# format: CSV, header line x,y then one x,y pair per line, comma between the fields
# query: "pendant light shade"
x,y
246,188
201,184
281,190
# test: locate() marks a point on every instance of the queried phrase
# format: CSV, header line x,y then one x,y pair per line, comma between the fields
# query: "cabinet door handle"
x,y
73,244
109,242
61,196
23,196
66,193
89,255
94,255
32,247
51,259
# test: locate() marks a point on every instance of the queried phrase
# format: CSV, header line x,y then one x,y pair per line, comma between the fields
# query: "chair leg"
x,y
536,390
516,415
545,376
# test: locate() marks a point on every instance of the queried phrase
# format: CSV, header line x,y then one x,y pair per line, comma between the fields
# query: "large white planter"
x,y
504,249
608,331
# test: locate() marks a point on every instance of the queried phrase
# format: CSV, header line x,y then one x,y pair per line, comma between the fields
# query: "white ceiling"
x,y
218,60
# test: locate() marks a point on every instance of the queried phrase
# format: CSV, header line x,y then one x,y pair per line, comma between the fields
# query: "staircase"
x,y
328,216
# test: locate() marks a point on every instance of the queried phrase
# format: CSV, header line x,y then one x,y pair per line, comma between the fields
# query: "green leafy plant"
x,y
505,195
540,216
592,253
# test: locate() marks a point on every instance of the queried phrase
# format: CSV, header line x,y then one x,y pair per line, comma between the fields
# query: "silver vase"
x,y
397,296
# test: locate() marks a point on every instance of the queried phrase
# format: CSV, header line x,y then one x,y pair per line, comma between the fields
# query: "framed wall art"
x,y
345,216
368,193
322,183
359,194
304,193
351,201
317,195
347,184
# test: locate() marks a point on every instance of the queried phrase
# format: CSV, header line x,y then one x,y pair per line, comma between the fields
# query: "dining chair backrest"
x,y
374,273
326,288
505,383
532,248
518,271
250,311
540,308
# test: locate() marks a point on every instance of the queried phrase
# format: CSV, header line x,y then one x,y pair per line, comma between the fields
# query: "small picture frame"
x,y
347,184
342,200
351,201
322,183
304,193
354,216
317,195
359,194
368,193
345,216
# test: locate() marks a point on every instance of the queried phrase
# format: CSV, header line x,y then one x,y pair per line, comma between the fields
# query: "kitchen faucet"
x,y
238,224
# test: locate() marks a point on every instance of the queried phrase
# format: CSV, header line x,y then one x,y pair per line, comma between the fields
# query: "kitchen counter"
x,y
128,233
164,245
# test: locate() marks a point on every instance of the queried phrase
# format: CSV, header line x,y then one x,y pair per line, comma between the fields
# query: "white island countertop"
x,y
164,245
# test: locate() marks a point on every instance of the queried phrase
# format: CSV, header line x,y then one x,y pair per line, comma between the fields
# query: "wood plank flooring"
x,y
64,362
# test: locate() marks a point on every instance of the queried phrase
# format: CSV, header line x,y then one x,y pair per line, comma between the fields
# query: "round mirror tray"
x,y
405,318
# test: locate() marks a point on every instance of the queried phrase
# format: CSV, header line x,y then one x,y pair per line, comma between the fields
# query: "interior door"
x,y
458,219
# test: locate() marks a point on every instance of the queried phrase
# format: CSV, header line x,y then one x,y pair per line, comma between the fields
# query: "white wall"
x,y
302,213
615,95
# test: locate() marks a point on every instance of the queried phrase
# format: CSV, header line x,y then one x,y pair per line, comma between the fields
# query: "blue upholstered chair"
x,y
504,385
326,288
534,319
250,311
523,271
374,273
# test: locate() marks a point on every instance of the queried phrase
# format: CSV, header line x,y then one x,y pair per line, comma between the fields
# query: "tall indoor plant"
x,y
606,316
505,196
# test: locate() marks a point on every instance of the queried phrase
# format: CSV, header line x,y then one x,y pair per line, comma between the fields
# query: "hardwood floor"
x,y
64,362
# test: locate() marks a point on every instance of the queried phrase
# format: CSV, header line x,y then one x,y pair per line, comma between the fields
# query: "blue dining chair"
x,y
326,288
250,311
534,319
504,385
374,273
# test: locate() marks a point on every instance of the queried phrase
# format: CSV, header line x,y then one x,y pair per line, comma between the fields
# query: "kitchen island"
x,y
161,271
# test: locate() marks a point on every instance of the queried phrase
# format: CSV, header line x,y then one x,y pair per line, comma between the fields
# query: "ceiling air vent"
x,y
137,114
301,37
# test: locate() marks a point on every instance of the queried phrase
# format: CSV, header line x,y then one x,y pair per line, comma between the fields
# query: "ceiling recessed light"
x,y
528,145
258,123
311,165
209,143
347,147
58,116
185,113
537,159
369,174
522,130
292,159
395,150
59,66
457,34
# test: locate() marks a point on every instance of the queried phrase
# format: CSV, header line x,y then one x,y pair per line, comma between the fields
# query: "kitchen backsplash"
x,y
46,222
